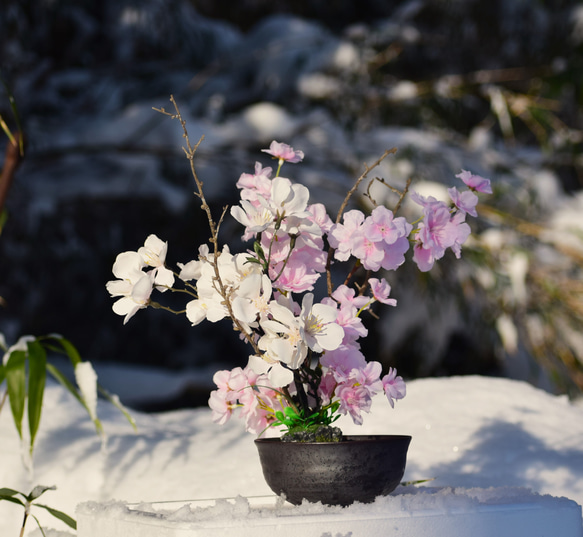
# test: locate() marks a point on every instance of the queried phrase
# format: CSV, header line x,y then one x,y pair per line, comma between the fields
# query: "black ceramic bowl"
x,y
359,468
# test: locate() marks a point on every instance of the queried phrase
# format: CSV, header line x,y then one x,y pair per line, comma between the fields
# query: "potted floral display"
x,y
305,368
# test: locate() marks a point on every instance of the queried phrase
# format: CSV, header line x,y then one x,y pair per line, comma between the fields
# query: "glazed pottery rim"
x,y
346,439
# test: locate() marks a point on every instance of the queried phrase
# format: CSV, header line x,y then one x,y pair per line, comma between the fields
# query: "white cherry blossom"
x,y
255,218
153,254
277,374
318,326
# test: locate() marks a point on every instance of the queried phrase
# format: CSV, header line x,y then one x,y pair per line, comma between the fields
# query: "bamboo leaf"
x,y
3,218
16,118
417,482
8,492
66,383
38,491
60,515
68,348
13,500
37,374
6,130
38,524
16,385
114,400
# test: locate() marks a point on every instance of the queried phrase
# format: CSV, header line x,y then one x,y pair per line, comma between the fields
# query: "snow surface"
x,y
470,432
411,512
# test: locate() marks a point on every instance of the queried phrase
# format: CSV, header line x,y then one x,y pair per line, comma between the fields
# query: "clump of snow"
x,y
87,381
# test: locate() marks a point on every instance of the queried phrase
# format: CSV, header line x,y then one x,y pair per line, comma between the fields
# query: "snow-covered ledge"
x,y
433,512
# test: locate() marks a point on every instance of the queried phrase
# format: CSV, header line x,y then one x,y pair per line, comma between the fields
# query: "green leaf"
x,y
16,385
9,492
2,373
13,500
66,383
68,348
418,482
38,491
257,248
114,400
38,524
60,515
3,219
37,374
290,412
16,116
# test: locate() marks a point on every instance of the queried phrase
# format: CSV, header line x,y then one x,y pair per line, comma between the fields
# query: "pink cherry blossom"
x,y
462,232
346,296
436,233
221,408
394,386
343,360
340,236
257,185
428,203
395,253
381,225
284,152
320,216
475,182
464,201
326,388
354,399
371,254
369,377
349,319
423,257
380,290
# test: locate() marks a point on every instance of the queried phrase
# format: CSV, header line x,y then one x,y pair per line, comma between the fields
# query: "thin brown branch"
x,y
220,286
363,176
402,196
12,160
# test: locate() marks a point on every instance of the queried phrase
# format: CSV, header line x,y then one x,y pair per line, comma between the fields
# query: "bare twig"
x,y
12,160
363,176
220,286
401,193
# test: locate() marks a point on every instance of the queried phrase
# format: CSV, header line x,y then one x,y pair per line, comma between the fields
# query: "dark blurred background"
x,y
492,86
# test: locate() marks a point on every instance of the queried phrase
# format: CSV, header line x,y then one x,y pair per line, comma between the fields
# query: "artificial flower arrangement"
x,y
306,367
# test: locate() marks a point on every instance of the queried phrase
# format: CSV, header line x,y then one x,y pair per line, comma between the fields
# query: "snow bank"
x,y
493,512
468,433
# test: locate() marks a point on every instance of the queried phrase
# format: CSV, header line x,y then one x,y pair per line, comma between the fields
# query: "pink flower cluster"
x,y
377,241
291,230
353,382
244,392
306,354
